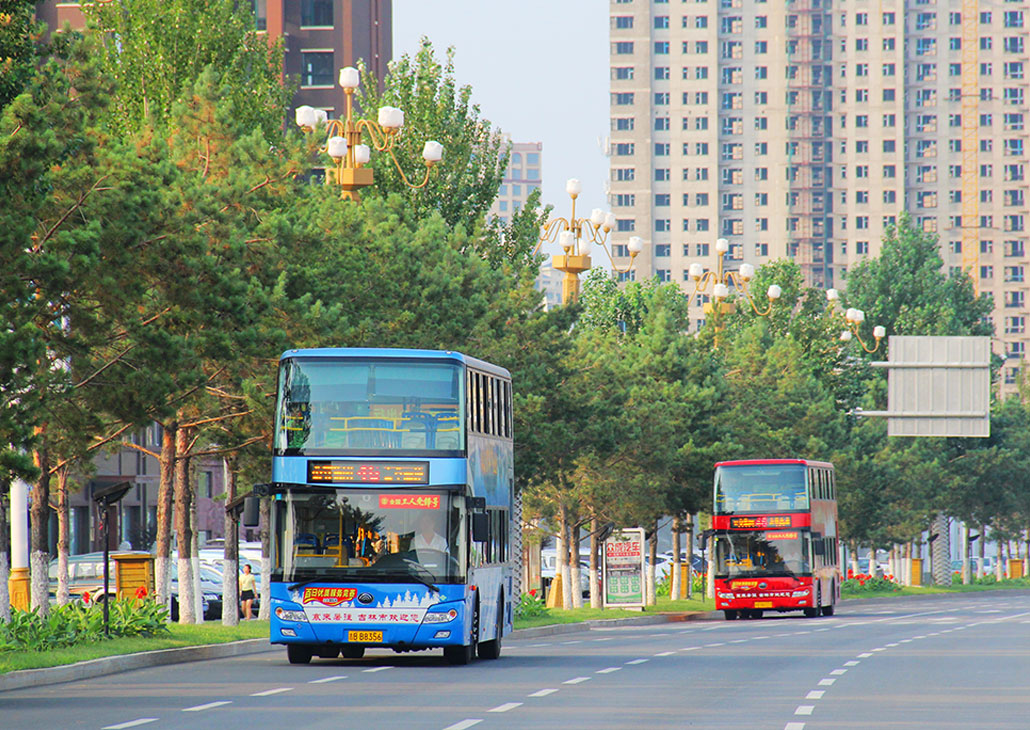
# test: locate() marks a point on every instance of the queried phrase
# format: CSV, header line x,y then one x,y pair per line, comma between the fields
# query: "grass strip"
x,y
179,636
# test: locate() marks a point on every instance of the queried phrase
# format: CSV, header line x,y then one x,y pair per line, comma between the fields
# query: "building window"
x,y
317,68
316,13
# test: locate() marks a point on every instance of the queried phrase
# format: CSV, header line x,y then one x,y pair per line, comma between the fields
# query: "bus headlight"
x,y
440,618
285,615
726,596
800,594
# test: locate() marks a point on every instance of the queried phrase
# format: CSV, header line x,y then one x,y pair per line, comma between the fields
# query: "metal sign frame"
x,y
624,567
937,386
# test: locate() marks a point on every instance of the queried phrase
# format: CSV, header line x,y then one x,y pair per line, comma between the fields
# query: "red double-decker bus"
x,y
775,531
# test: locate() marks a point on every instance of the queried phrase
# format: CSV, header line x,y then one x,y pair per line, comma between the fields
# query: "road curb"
x,y
125,662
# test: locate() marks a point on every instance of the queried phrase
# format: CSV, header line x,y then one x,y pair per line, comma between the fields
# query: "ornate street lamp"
x,y
852,319
718,283
344,143
576,236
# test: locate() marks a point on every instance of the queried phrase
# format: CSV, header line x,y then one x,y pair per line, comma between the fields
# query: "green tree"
x,y
18,47
463,186
156,50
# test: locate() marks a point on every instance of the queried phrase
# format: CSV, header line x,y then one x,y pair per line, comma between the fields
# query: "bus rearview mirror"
x,y
251,512
480,527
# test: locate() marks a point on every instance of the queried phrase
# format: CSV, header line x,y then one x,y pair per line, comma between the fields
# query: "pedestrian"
x,y
246,591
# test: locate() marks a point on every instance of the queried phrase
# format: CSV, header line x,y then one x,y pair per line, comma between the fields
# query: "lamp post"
x,y
576,236
718,283
852,319
344,143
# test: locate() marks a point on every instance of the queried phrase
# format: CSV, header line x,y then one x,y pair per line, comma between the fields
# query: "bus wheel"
x,y
461,655
828,610
755,613
352,652
492,649
298,654
816,608
730,615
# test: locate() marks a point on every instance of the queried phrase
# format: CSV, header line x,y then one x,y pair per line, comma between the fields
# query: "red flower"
x,y
141,592
85,597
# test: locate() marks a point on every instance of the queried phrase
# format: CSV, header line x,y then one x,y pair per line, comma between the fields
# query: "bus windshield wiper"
x,y
420,579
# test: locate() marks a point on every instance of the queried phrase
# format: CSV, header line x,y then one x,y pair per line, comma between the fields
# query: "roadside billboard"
x,y
624,569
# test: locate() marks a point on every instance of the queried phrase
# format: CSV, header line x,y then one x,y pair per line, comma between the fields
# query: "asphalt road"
x,y
957,661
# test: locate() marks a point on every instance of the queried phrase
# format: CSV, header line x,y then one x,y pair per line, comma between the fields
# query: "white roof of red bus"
x,y
759,462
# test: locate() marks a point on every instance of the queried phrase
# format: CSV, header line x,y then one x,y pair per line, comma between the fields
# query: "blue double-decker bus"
x,y
392,494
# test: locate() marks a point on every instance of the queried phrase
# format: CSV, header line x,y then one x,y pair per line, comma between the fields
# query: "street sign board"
x,y
623,569
937,386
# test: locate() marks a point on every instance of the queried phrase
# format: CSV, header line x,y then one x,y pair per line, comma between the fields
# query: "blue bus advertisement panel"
x,y
392,504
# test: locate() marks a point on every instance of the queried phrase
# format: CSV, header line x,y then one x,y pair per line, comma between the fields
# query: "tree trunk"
x,y
563,557
166,488
675,584
652,558
63,511
39,555
981,549
595,544
265,612
942,551
853,549
1026,553
5,552
999,562
198,594
965,554
183,531
689,539
576,570
231,556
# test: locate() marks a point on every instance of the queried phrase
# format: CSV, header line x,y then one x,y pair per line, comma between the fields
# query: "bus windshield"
x,y
762,553
368,535
350,406
760,488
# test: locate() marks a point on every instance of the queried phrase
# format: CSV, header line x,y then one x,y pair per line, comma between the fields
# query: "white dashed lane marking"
x,y
506,706
804,710
542,692
208,706
576,680
609,670
131,723
815,694
325,680
270,692
463,724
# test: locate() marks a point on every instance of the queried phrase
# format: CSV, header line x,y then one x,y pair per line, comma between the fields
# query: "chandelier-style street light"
x,y
576,237
718,283
852,319
344,143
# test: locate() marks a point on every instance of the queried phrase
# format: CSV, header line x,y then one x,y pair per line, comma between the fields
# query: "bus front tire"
x,y
298,654
352,652
730,615
462,655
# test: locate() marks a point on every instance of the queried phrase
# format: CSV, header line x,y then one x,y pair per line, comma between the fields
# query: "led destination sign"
x,y
368,472
759,521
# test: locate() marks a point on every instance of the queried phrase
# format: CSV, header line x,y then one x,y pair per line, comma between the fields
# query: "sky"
x,y
538,70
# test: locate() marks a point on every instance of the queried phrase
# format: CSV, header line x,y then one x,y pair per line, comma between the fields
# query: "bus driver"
x,y
426,537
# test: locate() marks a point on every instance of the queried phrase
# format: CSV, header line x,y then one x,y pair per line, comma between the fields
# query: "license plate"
x,y
364,636
758,604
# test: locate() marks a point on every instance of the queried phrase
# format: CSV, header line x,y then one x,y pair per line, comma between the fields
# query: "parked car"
x,y
548,565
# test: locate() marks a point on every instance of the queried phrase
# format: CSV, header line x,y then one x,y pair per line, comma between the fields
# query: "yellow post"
x,y
1015,568
18,588
554,595
917,571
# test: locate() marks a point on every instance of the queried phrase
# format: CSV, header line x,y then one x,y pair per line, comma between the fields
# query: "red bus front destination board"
x,y
368,472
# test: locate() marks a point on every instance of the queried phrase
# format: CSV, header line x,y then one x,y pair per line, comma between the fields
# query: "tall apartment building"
x,y
320,36
803,128
522,177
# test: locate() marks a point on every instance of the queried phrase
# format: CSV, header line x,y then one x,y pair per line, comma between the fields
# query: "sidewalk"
x,y
126,662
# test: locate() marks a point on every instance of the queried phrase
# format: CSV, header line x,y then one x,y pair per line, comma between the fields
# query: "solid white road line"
x,y
323,680
506,706
131,723
208,706
463,724
270,692
542,692
576,680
